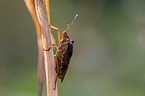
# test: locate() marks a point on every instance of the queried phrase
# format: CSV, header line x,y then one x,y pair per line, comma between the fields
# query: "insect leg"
x,y
57,72
53,45
53,27
55,82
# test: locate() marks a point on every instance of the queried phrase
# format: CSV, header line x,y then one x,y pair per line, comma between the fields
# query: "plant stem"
x,y
46,41
41,17
41,75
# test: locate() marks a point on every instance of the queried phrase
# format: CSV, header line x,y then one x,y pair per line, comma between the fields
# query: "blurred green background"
x,y
109,49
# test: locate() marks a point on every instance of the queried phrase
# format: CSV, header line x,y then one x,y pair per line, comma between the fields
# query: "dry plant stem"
x,y
47,9
46,41
48,15
41,75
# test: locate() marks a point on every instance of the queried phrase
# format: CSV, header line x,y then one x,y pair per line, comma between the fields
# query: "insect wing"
x,y
66,59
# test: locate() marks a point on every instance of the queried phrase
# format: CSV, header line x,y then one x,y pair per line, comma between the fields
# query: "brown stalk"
x,y
41,75
41,13
41,17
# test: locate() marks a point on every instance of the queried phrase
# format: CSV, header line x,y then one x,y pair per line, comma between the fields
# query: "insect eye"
x,y
72,41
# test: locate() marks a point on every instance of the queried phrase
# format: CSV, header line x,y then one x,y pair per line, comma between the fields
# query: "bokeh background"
x,y
109,49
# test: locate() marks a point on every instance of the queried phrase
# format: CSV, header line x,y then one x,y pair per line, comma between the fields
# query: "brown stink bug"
x,y
63,53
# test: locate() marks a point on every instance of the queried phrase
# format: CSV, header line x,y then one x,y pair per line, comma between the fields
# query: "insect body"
x,y
63,53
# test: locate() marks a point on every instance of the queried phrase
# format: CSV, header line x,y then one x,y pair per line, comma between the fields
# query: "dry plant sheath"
x,y
41,75
46,41
38,11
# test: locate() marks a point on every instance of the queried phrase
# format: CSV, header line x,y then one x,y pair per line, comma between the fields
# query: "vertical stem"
x,y
41,77
47,5
47,9
46,41
41,17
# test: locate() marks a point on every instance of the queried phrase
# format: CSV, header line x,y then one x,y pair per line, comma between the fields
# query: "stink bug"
x,y
63,53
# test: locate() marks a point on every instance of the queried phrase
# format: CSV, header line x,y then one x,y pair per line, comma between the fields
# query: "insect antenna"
x,y
68,26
